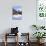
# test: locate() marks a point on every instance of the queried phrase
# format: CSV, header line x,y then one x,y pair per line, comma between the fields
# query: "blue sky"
x,y
17,8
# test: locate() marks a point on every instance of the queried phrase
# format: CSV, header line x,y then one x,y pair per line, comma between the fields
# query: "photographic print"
x,y
17,12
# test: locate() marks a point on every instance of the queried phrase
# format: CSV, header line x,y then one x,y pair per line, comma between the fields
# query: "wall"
x,y
29,15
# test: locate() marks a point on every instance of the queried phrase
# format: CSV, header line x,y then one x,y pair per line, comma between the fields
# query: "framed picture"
x,y
41,8
17,12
